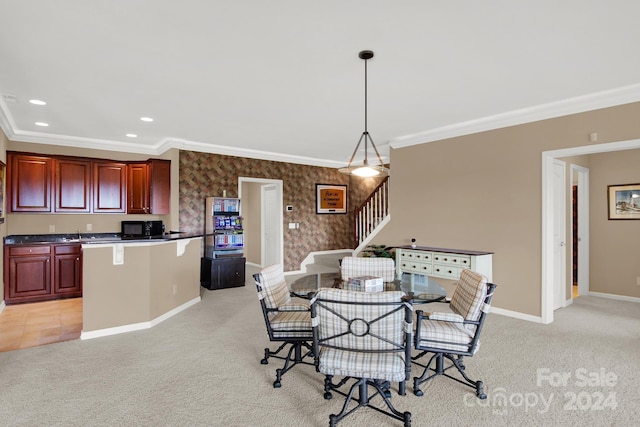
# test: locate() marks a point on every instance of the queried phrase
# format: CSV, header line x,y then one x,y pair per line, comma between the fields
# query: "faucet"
x,y
79,236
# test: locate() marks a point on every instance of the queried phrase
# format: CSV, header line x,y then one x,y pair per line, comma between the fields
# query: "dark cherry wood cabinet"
x,y
66,184
219,273
67,270
138,199
29,183
109,187
29,269
149,187
72,185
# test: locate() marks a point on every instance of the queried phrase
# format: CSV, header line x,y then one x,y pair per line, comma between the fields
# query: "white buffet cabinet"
x,y
441,262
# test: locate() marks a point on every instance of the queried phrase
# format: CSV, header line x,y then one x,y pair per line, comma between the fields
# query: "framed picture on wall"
x,y
331,199
624,201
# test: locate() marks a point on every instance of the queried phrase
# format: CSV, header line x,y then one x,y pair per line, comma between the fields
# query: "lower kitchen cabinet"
x,y
218,273
42,272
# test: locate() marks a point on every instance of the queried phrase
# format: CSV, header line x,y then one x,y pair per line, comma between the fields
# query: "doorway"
x,y
548,207
262,212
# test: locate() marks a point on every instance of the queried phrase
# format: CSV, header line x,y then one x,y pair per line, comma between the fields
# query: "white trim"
x,y
2,305
583,227
138,326
613,296
386,220
310,259
579,104
516,315
594,101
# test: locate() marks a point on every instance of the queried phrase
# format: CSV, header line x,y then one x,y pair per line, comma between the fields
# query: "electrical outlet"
x,y
175,288
638,281
52,228
89,227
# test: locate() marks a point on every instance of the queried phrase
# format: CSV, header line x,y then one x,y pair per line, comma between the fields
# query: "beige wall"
x,y
614,255
153,280
3,227
483,192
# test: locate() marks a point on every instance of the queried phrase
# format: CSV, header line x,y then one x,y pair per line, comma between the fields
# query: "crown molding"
x,y
580,104
604,99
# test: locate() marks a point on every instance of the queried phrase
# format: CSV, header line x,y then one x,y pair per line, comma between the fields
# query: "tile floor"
x,y
31,325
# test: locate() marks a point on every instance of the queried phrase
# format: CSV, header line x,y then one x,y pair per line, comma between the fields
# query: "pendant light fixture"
x,y
365,169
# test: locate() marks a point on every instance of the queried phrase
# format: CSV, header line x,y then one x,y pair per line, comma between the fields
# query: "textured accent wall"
x,y
204,174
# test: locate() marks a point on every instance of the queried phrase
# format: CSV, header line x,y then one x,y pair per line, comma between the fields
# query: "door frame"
x,y
559,222
582,181
263,228
546,286
279,205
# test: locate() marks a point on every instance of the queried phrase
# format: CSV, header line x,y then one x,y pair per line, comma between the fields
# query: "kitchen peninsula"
x,y
129,284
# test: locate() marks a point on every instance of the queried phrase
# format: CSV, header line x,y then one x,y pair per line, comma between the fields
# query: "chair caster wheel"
x,y
332,420
328,396
418,392
407,419
387,394
482,396
276,384
264,362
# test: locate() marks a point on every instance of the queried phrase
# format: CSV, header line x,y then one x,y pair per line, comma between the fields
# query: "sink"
x,y
66,240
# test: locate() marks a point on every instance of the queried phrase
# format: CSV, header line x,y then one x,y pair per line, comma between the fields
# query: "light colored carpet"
x,y
202,367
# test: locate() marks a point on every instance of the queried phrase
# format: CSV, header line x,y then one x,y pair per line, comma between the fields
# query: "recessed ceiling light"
x,y
43,124
37,102
132,135
146,119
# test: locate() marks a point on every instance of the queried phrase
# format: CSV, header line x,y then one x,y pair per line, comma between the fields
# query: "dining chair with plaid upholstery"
x,y
453,335
367,266
364,337
288,320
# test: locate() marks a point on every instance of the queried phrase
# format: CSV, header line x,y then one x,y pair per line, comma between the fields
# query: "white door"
x,y
559,234
270,226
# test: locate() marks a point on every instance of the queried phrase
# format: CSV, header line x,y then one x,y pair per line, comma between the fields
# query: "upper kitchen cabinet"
x,y
72,185
109,187
149,187
66,184
29,182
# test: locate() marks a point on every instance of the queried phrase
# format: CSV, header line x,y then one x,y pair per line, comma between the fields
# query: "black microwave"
x,y
142,228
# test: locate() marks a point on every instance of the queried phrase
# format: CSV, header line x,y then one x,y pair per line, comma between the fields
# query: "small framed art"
x,y
331,199
623,201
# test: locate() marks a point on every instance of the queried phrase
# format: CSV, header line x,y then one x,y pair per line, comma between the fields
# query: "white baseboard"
x,y
613,296
2,306
517,315
137,326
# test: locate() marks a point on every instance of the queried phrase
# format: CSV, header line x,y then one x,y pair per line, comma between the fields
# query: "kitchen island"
x,y
131,284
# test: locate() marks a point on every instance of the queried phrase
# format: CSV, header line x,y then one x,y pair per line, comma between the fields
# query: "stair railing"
x,y
371,212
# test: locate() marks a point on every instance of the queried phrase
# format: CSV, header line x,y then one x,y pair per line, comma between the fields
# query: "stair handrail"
x,y
371,212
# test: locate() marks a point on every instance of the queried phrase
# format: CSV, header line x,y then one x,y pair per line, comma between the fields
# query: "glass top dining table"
x,y
416,291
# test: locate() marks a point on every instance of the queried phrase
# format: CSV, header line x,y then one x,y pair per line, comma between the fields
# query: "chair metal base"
x,y
362,384
293,357
439,369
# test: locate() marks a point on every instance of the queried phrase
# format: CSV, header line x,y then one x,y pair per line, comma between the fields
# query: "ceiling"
x,y
281,80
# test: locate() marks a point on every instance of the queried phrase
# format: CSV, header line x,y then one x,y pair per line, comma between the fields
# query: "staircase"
x,y
371,215
369,218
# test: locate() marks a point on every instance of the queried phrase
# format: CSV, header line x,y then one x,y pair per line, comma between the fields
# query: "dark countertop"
x,y
88,238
